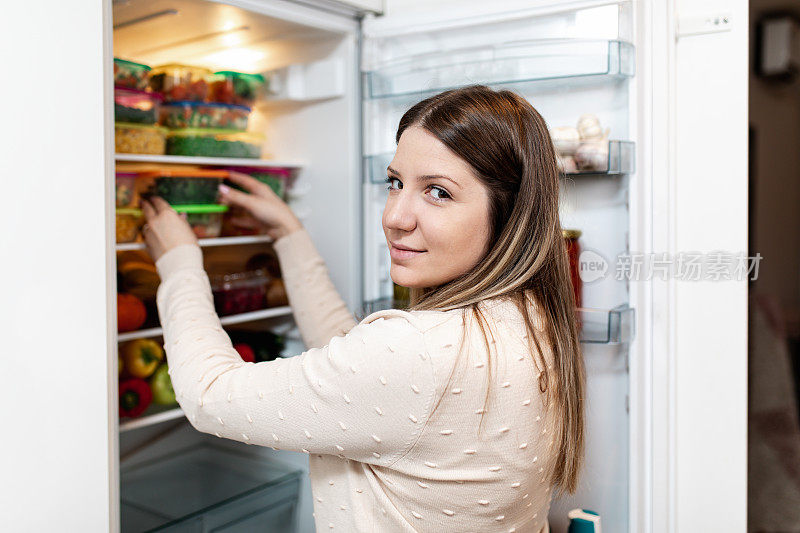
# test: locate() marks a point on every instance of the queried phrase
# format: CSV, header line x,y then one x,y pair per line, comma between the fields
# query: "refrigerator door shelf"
x,y
548,63
597,326
607,326
621,155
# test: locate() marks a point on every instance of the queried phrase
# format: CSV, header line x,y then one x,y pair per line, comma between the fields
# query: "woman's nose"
x,y
399,213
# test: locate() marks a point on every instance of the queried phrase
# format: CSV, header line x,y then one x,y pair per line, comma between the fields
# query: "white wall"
x,y
55,450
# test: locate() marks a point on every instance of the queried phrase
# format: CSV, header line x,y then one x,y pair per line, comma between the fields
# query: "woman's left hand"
x,y
164,228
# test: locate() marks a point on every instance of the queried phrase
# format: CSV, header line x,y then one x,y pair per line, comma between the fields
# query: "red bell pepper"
x,y
246,352
134,397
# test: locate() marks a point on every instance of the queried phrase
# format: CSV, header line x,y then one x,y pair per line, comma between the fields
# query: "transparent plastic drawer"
x,y
209,488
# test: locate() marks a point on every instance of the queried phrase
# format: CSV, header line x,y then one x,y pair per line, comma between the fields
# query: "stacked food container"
x,y
207,113
136,110
181,110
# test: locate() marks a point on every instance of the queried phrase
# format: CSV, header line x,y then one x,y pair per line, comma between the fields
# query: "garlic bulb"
x,y
566,163
589,127
565,140
593,155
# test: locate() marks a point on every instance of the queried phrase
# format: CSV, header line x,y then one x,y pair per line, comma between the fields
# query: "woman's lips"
x,y
399,254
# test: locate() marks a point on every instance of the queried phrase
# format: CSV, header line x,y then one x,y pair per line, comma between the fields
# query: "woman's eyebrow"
x,y
426,177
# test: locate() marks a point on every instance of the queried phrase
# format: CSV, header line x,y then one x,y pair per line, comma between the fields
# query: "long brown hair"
x,y
507,144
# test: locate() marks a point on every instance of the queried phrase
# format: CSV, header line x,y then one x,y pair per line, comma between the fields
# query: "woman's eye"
x,y
440,191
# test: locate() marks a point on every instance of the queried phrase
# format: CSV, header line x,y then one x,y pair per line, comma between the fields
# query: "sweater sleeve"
x,y
365,395
320,313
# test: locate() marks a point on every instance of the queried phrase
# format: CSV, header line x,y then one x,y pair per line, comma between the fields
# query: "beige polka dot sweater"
x,y
392,446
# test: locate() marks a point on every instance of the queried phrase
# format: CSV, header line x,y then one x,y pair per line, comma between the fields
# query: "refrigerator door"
x,y
567,62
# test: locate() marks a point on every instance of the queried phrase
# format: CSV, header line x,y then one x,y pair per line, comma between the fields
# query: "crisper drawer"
x,y
208,488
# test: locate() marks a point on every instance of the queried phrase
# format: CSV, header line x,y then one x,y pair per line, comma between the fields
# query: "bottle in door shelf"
x,y
573,253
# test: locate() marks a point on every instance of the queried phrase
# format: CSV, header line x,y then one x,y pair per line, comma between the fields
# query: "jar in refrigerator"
x,y
573,253
180,82
240,292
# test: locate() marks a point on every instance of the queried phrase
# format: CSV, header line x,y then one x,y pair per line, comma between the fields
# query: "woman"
x,y
460,414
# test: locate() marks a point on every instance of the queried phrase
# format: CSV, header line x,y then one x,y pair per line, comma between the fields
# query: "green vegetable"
x,y
211,147
161,385
188,190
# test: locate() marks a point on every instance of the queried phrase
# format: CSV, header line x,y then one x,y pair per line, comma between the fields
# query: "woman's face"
x,y
435,206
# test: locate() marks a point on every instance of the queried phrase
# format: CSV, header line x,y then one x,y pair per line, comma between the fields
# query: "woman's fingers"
x,y
160,204
250,184
148,210
234,197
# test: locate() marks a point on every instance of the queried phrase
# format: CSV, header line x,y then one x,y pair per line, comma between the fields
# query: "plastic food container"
x,y
228,87
278,178
186,114
180,82
240,292
129,222
131,105
214,143
208,487
183,187
126,194
205,220
139,138
130,74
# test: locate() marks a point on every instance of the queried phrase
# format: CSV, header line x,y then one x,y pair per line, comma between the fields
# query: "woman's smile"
x,y
399,254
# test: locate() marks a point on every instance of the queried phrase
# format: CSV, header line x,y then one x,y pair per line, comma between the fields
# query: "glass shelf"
x,y
549,62
620,161
607,326
209,487
597,326
621,157
252,316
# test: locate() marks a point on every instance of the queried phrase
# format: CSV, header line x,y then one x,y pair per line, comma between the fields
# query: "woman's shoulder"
x,y
422,320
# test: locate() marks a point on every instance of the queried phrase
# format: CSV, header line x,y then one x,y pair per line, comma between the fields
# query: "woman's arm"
x,y
319,311
365,396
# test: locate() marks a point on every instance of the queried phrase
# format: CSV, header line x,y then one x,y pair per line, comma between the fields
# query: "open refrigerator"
x,y
338,80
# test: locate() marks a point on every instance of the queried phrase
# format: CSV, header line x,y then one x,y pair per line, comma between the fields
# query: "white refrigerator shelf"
x,y
218,241
252,316
548,63
157,415
208,161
